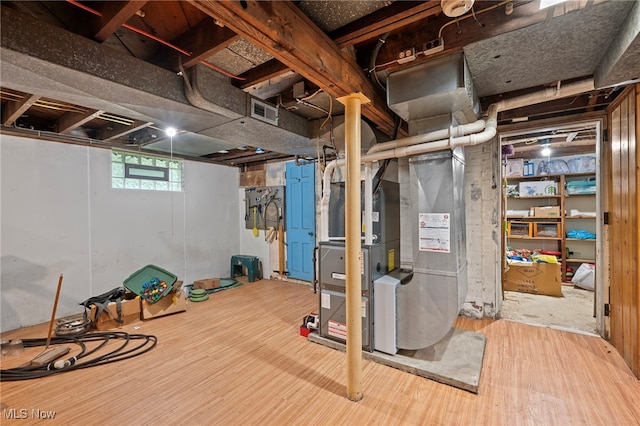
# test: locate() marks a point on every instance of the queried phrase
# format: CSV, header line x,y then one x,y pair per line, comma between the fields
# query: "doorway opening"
x,y
552,228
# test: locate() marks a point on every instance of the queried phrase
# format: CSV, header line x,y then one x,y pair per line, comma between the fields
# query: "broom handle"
x,y
53,313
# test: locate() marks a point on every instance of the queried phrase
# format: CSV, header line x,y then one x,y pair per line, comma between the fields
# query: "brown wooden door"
x,y
624,245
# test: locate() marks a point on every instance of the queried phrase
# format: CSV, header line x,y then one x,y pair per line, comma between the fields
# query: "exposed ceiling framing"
x,y
111,73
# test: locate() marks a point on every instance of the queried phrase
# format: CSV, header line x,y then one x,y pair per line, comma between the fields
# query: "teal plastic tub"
x,y
140,280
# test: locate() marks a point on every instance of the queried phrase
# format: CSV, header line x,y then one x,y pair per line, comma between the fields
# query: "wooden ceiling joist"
x,y
271,68
115,131
115,14
397,15
13,110
291,37
204,40
71,120
257,158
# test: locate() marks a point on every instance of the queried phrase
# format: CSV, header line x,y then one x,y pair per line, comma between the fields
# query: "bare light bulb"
x,y
170,131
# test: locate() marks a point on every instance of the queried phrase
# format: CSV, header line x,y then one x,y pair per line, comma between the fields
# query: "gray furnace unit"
x,y
378,259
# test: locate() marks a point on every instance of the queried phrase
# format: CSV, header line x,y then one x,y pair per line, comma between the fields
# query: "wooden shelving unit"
x,y
572,250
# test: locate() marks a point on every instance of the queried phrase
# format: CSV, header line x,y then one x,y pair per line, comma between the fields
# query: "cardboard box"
x,y
515,167
172,303
538,188
547,211
535,278
130,313
207,283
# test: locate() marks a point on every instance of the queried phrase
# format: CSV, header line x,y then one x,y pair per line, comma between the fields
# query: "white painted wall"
x,y
59,214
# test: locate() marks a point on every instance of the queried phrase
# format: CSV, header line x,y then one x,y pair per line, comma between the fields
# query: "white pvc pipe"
x,y
461,130
559,91
424,143
326,195
405,151
368,204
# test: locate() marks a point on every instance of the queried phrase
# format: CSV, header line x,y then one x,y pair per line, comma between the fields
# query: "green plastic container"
x,y
136,281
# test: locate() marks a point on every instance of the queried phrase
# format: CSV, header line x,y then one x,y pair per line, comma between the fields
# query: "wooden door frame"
x,y
599,122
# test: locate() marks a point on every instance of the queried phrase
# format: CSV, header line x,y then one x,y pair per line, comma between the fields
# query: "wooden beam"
x,y
397,15
13,110
72,120
256,158
115,130
271,68
114,14
285,32
390,18
204,40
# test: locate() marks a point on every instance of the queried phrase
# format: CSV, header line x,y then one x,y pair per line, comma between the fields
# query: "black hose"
x,y
374,56
377,179
121,352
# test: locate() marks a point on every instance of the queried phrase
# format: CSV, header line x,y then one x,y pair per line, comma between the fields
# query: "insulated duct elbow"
x,y
195,97
326,197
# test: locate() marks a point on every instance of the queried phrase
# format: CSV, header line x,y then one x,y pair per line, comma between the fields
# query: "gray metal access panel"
x,y
332,280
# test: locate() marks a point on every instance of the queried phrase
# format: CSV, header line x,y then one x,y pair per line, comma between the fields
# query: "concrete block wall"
x,y
482,199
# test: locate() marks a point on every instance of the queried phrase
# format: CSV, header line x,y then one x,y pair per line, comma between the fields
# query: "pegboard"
x,y
264,206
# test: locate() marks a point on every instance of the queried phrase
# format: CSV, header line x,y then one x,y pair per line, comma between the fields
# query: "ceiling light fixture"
x,y
170,131
546,151
548,3
455,8
259,151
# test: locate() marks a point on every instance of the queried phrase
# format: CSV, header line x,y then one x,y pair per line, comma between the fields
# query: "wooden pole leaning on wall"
x,y
53,312
281,250
353,244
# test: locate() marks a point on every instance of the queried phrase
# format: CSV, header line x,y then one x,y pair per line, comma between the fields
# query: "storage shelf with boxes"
x,y
546,212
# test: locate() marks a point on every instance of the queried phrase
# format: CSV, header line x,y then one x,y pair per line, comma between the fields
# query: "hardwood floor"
x,y
238,359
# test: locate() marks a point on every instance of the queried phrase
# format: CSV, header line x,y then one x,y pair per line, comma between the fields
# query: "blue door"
x,y
300,220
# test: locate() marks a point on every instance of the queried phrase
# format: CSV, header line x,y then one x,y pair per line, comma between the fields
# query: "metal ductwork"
x,y
211,113
417,304
435,94
333,135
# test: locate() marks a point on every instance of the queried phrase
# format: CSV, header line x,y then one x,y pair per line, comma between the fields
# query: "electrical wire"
x,y
474,13
121,352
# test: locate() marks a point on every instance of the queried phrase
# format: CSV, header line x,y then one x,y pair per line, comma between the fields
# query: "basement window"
x,y
147,172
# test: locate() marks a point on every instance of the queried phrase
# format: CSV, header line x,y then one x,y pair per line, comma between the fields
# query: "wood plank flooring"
x,y
238,359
